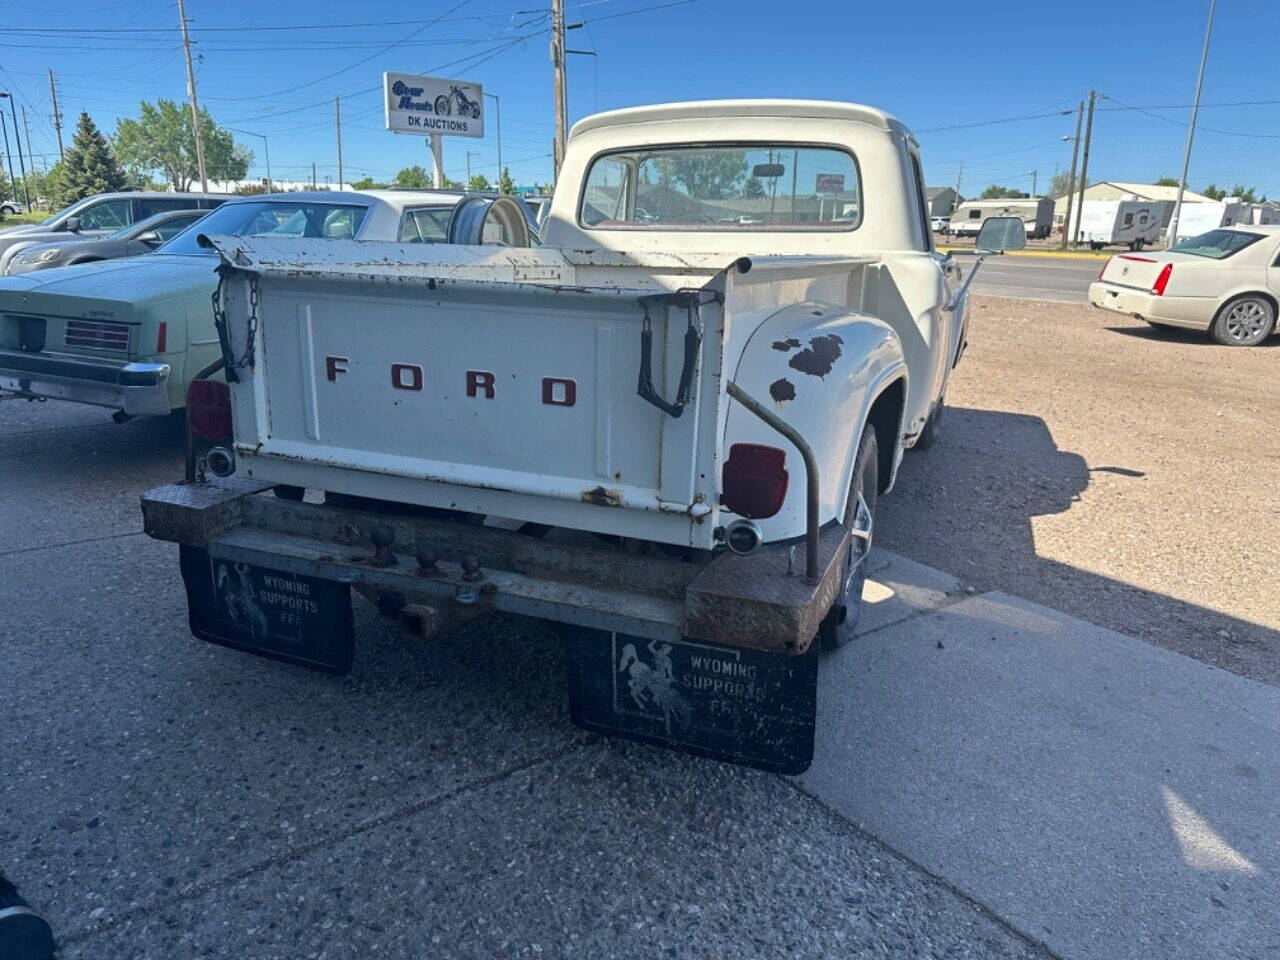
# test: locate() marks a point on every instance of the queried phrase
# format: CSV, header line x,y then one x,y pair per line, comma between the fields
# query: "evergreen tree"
x,y
506,184
88,167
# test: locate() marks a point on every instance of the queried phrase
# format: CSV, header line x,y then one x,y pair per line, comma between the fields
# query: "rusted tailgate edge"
x,y
753,601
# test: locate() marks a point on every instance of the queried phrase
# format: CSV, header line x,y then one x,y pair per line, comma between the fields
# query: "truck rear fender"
x,y
827,371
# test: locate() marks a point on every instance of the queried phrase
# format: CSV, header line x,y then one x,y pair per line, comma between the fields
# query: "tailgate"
x,y
483,380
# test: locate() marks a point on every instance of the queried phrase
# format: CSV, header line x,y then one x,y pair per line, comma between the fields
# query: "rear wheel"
x,y
1244,322
838,625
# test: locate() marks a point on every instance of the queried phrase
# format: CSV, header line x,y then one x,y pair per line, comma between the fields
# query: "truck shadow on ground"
x,y
968,506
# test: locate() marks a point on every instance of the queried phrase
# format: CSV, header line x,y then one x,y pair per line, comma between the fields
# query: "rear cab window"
x,y
425,225
755,186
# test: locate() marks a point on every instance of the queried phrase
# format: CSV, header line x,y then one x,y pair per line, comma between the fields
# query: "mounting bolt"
x,y
427,562
471,567
383,536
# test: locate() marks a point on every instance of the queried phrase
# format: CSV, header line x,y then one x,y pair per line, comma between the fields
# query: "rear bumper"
x,y
135,388
1194,313
760,601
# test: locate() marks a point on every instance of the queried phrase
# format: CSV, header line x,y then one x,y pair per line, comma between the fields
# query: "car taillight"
x,y
162,337
209,409
754,480
1162,280
1104,267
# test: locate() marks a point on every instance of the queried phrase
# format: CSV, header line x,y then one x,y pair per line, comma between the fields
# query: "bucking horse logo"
x,y
241,601
654,687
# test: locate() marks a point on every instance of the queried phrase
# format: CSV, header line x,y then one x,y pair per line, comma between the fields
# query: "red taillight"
x,y
209,409
755,480
1162,280
1104,267
162,337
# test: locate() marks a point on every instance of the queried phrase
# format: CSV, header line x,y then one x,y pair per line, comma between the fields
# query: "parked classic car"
x,y
98,215
1226,281
130,334
143,237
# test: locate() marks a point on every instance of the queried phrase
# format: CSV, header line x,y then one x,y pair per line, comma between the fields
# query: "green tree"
x,y
367,183
753,188
413,178
1246,194
162,139
709,175
505,183
88,166
1167,182
994,192
1213,192
480,182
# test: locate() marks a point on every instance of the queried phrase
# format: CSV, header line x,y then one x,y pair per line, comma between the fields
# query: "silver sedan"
x,y
141,237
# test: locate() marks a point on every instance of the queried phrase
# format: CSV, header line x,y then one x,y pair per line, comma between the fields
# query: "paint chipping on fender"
x,y
820,356
782,389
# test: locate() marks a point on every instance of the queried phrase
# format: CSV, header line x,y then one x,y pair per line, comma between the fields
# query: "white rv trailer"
x,y
1035,212
1197,218
1133,223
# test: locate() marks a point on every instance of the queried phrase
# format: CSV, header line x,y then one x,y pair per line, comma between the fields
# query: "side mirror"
x,y
72,224
150,238
999,234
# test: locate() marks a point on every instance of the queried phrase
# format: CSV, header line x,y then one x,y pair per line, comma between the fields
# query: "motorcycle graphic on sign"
x,y
466,106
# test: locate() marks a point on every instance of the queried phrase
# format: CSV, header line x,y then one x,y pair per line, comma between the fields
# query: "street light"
x,y
18,141
497,107
265,150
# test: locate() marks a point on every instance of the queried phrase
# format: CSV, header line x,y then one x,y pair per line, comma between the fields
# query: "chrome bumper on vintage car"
x,y
135,388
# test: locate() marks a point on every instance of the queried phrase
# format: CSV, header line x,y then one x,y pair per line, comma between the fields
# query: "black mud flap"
x,y
280,614
744,706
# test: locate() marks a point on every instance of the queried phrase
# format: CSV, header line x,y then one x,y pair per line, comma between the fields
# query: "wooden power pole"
x,y
1084,162
191,91
1071,177
57,117
557,63
337,113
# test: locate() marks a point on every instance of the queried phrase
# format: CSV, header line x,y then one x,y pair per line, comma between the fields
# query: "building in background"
x,y
940,200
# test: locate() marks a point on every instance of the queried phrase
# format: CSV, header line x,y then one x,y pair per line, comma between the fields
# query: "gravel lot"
x,y
1121,475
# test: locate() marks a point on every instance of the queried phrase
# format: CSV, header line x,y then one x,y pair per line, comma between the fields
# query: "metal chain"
x,y
220,322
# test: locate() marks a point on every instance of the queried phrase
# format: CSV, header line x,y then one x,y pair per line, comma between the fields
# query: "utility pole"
x,y
337,113
497,108
1084,163
191,91
17,142
959,174
313,174
27,129
1071,177
8,157
57,117
557,63
1034,175
1191,132
468,169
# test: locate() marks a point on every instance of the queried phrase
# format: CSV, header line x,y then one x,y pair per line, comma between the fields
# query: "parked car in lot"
x,y
130,334
1226,281
143,237
99,215
687,400
11,206
940,224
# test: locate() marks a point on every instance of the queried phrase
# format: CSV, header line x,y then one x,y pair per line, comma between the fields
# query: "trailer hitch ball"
x,y
427,562
471,567
383,536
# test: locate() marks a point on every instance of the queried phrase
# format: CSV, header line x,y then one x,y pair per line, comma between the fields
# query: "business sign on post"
x,y
427,105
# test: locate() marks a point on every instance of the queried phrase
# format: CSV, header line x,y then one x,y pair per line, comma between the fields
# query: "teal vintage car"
x,y
131,334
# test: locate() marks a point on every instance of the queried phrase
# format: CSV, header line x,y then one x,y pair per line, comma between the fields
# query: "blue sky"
x,y
946,69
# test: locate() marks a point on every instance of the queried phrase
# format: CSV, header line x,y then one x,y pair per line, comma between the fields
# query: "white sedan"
x,y
1226,281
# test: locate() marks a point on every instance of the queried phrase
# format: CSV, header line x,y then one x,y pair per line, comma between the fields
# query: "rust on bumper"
x,y
761,601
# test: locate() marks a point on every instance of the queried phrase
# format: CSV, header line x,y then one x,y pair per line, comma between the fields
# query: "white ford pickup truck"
x,y
663,424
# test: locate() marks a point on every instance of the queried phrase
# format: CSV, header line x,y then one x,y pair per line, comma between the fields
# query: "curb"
x,y
1048,254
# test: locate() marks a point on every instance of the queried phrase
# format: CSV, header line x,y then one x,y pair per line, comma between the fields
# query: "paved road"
x,y
1035,278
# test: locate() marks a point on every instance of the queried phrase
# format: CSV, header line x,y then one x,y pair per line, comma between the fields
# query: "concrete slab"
x,y
898,588
1105,796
